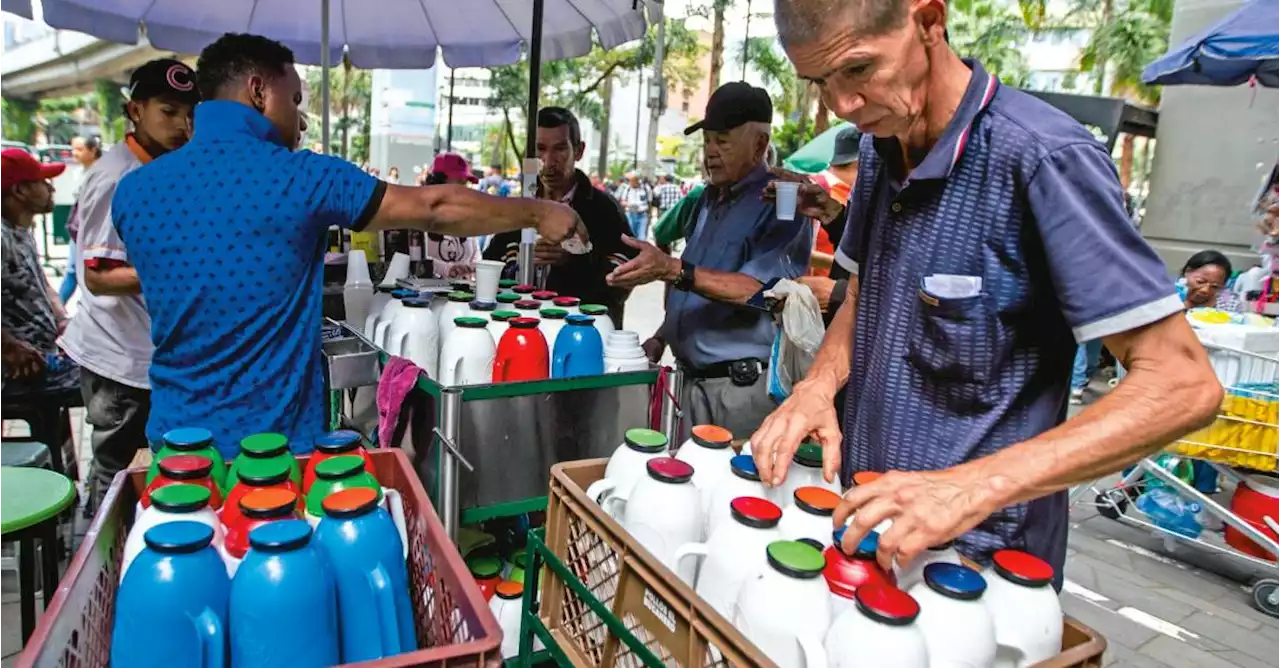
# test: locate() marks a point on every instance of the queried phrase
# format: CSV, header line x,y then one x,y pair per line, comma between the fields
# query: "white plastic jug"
x,y
743,480
467,357
956,624
708,451
627,466
879,630
1025,609
734,553
172,503
662,512
808,516
914,573
784,609
413,335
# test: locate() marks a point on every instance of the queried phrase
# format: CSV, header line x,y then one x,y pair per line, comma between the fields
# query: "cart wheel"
x,y
1265,596
1105,500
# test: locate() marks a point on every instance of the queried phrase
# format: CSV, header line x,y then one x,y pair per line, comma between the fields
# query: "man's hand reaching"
x,y
557,222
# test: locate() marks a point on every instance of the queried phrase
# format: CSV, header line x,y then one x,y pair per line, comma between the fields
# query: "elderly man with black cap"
x,y
736,244
110,335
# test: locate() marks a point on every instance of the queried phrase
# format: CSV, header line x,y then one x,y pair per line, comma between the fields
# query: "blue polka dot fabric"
x,y
228,237
1020,196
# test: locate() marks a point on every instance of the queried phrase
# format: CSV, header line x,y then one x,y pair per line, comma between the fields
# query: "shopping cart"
x,y
1241,442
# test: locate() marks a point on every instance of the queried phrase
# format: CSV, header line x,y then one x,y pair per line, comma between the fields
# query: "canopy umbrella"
x,y
1245,44
17,7
814,156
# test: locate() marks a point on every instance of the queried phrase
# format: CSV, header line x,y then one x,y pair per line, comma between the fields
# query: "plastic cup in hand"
x,y
786,193
397,269
487,274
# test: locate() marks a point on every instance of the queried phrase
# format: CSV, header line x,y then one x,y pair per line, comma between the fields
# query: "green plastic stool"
x,y
32,500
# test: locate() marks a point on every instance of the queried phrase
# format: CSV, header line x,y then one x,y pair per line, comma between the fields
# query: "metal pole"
x,y
448,136
658,85
450,421
670,413
746,42
635,162
528,169
324,75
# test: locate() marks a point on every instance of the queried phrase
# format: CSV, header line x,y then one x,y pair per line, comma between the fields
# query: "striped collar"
x,y
942,159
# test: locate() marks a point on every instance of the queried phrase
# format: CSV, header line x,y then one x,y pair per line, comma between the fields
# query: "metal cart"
x,y
1243,438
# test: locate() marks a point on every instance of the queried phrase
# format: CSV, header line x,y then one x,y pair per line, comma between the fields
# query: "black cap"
x,y
164,77
845,150
733,104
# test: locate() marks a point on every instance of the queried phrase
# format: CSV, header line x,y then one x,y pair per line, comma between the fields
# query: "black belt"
x,y
717,370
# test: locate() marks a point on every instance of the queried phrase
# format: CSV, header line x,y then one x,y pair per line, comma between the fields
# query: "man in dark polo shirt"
x,y
987,235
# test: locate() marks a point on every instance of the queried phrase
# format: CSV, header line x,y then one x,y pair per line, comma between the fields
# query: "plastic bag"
x,y
1171,512
800,332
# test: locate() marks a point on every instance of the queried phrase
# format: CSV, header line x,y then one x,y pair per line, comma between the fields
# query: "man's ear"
x,y
257,92
134,111
577,152
931,21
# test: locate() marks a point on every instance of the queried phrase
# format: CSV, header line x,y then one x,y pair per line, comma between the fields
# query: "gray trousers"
x,y
718,401
118,414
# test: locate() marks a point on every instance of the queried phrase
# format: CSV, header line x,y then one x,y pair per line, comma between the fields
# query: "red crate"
x,y
453,621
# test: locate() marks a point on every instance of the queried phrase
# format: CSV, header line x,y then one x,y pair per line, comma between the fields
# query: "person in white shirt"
x,y
110,334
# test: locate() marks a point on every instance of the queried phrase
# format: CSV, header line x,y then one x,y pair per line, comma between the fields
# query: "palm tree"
x,y
350,91
718,8
990,33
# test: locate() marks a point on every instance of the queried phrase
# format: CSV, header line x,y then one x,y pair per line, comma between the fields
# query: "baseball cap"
x,y
17,166
453,166
845,150
164,77
733,104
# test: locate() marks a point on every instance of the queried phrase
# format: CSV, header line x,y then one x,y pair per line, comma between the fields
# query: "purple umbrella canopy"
x,y
387,34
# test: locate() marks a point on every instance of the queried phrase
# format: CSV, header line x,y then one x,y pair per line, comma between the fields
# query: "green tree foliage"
x,y
109,101
19,119
60,125
1134,37
350,94
991,32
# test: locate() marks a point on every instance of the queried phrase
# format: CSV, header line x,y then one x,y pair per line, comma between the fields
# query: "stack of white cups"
x,y
622,352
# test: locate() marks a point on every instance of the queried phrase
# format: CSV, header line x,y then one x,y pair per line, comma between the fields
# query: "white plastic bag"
x,y
800,332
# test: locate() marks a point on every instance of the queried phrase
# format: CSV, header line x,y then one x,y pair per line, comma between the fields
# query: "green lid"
x,y
593,309
809,454
264,445
470,322
338,467
262,472
508,298
645,440
180,498
553,313
517,557
508,283
799,560
484,567
501,316
459,296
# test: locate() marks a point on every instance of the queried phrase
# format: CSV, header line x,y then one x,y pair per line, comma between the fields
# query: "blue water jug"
x,y
361,541
284,608
579,350
1171,512
171,609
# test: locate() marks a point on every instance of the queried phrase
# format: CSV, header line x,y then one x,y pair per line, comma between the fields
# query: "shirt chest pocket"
x,y
953,340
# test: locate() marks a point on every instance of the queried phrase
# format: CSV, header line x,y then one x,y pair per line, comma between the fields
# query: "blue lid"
x,y
955,581
416,302
340,437
401,293
478,305
579,319
280,536
188,436
179,537
744,467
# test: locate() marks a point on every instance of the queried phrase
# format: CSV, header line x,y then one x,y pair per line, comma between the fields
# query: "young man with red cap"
x,y
30,314
110,335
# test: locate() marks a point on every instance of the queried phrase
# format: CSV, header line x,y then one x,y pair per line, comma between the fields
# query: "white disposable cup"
x,y
786,194
397,269
358,269
487,274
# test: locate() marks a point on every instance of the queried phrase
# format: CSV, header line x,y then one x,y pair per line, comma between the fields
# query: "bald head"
x,y
803,21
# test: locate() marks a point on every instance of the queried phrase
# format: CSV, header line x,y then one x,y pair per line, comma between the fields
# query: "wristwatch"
x,y
684,280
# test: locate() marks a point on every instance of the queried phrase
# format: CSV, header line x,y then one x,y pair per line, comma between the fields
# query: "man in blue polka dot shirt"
x,y
228,238
986,237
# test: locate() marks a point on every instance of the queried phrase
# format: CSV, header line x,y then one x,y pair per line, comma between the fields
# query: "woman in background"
x,y
451,257
85,151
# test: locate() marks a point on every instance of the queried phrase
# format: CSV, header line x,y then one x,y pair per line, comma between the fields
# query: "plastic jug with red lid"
x,y
256,474
184,469
258,507
190,441
845,573
522,354
1024,608
734,553
879,630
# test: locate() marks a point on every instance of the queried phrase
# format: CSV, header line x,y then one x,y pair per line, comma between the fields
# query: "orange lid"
x,y
351,501
865,477
267,502
818,498
712,433
509,590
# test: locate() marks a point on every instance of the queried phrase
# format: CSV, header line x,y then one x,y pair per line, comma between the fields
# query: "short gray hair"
x,y
803,21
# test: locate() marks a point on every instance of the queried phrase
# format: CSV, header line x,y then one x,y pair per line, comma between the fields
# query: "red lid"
x,y
1021,568
845,574
523,323
816,500
544,295
523,289
528,304
755,512
886,603
566,301
186,467
669,469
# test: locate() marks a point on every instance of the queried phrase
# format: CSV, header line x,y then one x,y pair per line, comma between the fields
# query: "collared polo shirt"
x,y
735,231
228,237
1016,194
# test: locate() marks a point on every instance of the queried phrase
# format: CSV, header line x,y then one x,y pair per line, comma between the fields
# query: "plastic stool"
x,y
29,454
32,500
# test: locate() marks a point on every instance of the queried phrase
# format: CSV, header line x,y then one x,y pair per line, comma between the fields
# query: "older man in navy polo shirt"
x,y
987,235
735,244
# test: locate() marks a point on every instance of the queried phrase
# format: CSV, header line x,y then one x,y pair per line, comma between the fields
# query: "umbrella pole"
x,y
324,76
529,170
448,133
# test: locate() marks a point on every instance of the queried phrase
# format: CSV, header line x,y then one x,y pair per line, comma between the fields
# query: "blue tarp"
x,y
1244,44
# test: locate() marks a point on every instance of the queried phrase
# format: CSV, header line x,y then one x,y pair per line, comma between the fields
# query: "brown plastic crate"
x,y
653,604
453,621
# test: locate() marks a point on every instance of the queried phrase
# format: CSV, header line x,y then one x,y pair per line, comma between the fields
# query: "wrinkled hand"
x,y
548,252
811,200
649,266
558,222
808,412
461,270
22,360
653,348
821,287
927,508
